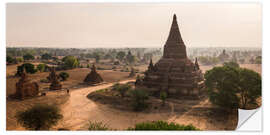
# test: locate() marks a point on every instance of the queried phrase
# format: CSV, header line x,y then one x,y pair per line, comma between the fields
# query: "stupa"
x,y
224,57
93,77
55,84
25,87
174,72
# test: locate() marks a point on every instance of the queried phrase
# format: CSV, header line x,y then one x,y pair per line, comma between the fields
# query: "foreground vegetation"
x,y
154,125
233,87
39,117
162,125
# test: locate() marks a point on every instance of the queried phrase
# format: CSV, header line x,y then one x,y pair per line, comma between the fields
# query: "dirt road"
x,y
78,110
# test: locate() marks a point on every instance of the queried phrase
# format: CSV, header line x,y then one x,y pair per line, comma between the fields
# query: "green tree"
x,y
120,55
163,97
64,75
39,117
29,68
250,87
10,60
46,56
231,87
28,56
70,62
41,67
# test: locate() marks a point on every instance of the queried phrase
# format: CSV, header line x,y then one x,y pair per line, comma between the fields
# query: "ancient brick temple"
x,y
55,84
174,72
93,77
25,87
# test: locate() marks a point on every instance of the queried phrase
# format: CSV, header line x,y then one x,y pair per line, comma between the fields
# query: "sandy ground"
x,y
76,77
79,110
13,106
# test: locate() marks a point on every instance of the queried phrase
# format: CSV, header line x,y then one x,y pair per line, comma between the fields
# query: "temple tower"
x,y
174,72
25,87
174,47
93,77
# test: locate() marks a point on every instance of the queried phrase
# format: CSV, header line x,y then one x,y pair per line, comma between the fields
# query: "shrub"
x,y
41,67
44,80
102,90
64,75
162,125
122,88
163,96
139,97
115,86
97,126
39,117
19,59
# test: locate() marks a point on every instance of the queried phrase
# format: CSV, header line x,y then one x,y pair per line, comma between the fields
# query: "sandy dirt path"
x,y
78,110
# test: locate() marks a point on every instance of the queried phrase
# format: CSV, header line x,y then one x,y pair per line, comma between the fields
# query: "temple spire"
x,y
175,36
151,65
174,46
197,64
93,68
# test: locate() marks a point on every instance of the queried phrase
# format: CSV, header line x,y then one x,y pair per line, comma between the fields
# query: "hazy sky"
x,y
133,25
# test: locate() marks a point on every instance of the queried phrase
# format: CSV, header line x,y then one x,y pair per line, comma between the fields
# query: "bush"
x,y
44,80
163,96
20,59
115,86
97,126
121,88
162,125
64,75
39,117
139,97
29,68
41,67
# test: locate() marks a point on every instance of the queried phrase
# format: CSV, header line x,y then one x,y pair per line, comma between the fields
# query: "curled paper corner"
x,y
249,120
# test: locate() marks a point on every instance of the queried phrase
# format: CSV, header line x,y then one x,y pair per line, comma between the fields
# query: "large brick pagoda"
x,y
174,72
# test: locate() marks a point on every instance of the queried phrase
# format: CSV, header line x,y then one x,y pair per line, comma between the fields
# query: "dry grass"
x,y
13,106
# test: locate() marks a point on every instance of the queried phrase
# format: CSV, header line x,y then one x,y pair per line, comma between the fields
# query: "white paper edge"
x,y
249,120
